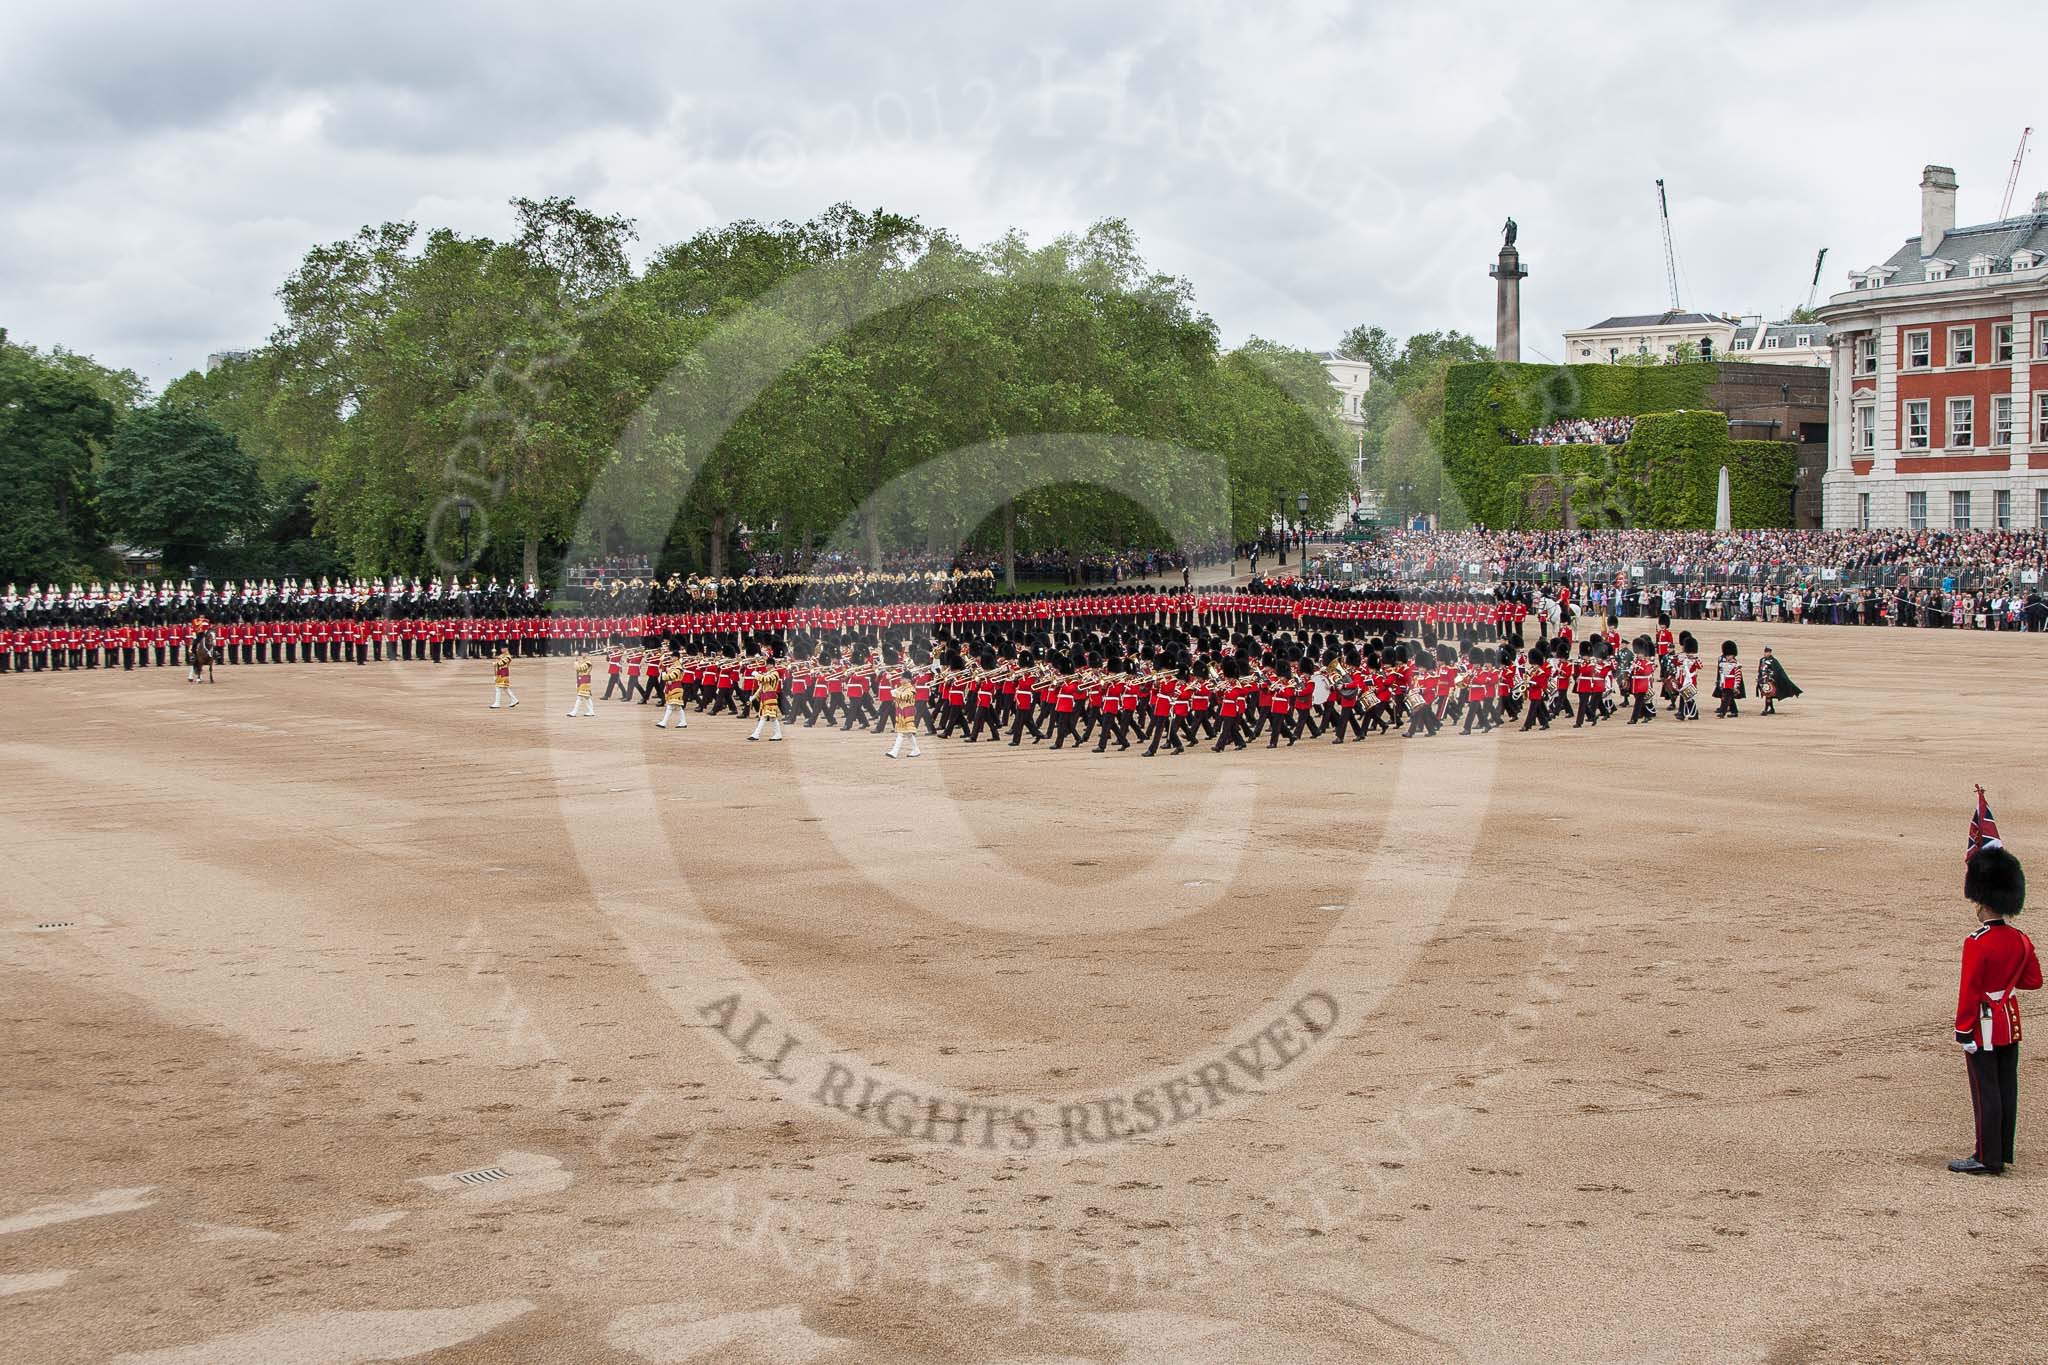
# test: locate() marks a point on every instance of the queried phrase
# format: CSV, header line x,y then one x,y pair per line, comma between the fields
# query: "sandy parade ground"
x,y
350,1020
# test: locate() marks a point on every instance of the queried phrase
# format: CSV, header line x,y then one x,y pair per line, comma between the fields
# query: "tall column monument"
x,y
1508,273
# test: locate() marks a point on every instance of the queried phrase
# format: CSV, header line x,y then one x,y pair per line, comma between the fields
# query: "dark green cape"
x,y
1786,687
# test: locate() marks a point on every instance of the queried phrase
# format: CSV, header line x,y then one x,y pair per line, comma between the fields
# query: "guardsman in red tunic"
x,y
1642,676
1998,962
1588,682
1280,711
1165,698
1478,689
1230,709
1536,695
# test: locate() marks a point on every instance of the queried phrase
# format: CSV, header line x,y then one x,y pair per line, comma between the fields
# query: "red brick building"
x,y
1939,381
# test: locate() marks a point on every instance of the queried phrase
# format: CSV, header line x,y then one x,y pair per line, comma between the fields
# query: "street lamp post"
x,y
1280,501
1301,511
462,511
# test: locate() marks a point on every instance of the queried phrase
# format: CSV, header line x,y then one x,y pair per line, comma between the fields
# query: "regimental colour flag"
x,y
1983,829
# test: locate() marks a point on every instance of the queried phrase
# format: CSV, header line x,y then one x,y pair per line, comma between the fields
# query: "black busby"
x,y
1993,879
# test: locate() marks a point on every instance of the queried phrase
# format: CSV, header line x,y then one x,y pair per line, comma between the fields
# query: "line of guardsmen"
x,y
1162,685
375,620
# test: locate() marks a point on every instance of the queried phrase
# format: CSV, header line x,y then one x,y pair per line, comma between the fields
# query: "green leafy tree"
x,y
54,423
1402,447
176,482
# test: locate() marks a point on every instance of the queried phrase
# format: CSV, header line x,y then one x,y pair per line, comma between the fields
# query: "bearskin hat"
x,y
1993,879
1728,648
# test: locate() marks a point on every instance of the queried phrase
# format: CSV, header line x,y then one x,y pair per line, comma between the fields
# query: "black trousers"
x,y
1995,1102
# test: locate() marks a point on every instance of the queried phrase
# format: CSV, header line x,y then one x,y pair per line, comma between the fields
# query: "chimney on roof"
x,y
1937,207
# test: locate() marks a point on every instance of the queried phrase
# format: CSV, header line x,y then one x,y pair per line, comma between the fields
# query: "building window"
x,y
1979,266
1770,343
1706,348
1962,423
1959,510
1962,345
1939,270
1866,428
2001,343
2001,419
1739,344
1613,354
1866,355
2041,419
1806,338
2041,508
2041,339
2001,505
1919,417
1585,350
1863,511
1919,350
1916,511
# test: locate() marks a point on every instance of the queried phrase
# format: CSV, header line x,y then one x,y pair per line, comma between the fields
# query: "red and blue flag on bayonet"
x,y
1983,829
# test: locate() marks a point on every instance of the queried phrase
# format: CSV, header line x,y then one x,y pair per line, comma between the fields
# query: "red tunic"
x,y
1998,962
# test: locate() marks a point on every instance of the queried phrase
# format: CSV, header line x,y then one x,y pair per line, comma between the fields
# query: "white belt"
x,y
1994,995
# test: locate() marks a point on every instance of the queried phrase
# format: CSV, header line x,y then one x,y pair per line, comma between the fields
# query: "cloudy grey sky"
x,y
1307,165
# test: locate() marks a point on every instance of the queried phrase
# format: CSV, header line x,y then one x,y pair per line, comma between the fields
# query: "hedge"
x,y
1665,477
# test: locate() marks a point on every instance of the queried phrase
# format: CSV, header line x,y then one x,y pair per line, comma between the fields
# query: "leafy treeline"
x,y
1404,417
859,379
89,460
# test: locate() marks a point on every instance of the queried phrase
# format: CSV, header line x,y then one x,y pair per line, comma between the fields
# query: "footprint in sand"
x,y
99,1205
32,1281
1159,1337
222,1232
341,1338
376,1222
514,1175
670,1333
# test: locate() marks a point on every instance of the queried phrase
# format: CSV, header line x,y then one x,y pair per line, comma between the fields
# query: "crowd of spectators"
x,y
1068,567
1577,431
608,567
1967,579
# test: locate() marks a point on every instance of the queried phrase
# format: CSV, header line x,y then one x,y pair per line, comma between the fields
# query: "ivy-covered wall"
x,y
1665,477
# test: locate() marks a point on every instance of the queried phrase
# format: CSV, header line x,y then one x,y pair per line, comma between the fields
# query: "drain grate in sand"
x,y
483,1177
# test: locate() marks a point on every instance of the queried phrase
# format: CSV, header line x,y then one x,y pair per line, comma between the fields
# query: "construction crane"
x,y
2012,180
1670,260
1813,289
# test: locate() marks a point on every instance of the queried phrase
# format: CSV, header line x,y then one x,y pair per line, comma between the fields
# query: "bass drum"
x,y
1322,689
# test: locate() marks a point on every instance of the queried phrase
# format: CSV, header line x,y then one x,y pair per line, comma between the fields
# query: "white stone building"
x,y
1653,334
1780,343
1351,378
